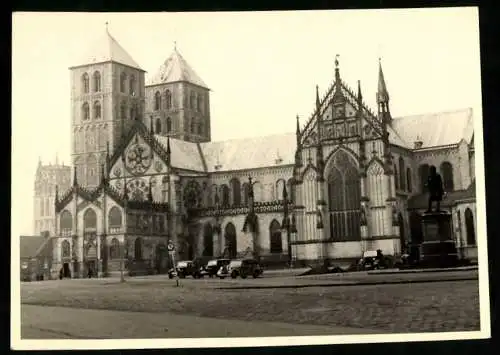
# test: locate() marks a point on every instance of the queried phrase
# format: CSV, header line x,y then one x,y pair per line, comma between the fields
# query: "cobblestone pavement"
x,y
416,307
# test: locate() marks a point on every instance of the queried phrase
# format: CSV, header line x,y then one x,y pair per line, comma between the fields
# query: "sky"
x,y
262,68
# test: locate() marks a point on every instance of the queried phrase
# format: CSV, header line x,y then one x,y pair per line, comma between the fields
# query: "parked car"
x,y
213,266
242,268
372,260
185,268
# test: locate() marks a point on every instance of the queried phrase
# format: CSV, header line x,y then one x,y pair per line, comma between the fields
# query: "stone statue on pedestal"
x,y
436,190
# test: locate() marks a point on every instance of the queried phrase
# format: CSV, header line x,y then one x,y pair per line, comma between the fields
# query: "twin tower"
x,y
109,91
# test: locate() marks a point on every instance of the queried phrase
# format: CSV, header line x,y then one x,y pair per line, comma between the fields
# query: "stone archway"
x,y
230,241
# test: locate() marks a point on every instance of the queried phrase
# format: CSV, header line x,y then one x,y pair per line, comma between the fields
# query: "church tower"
x,y
107,95
178,101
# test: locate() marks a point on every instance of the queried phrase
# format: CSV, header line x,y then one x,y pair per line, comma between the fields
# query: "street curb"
x,y
353,283
417,271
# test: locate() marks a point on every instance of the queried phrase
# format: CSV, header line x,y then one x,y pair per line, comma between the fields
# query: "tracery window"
x,y
344,198
85,83
97,81
169,124
168,96
85,111
157,101
123,82
158,126
402,177
97,110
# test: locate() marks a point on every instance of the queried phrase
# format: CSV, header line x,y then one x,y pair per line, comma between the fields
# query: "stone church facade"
x,y
146,172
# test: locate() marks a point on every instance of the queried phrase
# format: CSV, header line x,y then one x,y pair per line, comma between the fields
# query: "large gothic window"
x,y
123,82
224,191
158,126
276,242
85,83
236,191
408,180
344,194
157,101
90,220
469,227
85,111
423,173
138,249
447,175
169,124
114,219
97,81
97,110
402,175
66,223
168,96
114,249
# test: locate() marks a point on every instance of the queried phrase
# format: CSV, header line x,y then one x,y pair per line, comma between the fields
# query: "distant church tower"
x,y
178,102
107,94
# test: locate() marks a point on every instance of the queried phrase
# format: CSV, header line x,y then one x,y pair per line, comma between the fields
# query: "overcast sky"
x,y
262,68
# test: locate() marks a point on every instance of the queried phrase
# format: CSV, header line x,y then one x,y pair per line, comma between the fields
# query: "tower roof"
x,y
175,69
382,94
107,49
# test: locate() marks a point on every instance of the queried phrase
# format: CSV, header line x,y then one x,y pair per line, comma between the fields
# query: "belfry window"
x,y
157,101
85,83
85,111
97,82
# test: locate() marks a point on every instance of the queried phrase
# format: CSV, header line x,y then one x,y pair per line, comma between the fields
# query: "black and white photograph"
x,y
205,179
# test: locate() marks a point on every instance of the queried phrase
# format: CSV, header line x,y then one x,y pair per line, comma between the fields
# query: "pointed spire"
x,y
107,29
338,96
360,96
39,161
382,93
317,98
337,73
75,180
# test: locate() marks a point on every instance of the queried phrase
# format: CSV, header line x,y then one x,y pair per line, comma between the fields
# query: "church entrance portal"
x,y
66,271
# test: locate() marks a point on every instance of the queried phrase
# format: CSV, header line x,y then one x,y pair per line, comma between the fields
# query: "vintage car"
x,y
371,260
185,268
213,266
242,268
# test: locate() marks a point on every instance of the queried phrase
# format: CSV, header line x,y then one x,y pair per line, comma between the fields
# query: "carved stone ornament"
x,y
117,172
119,185
138,158
158,166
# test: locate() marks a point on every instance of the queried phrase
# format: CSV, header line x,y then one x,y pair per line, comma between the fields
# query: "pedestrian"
x,y
61,274
90,273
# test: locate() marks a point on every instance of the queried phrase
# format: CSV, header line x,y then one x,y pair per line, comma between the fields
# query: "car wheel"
x,y
255,274
222,277
243,276
234,275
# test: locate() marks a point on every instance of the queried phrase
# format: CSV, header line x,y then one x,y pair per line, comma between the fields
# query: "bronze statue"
x,y
436,190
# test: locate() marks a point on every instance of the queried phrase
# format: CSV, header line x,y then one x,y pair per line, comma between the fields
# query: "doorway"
x,y
91,267
66,271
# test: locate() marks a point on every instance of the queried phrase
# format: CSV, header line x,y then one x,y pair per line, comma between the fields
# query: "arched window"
x,y
114,219
114,249
408,180
447,175
168,97
344,195
123,110
192,100
123,82
208,241
66,223
396,177
198,103
138,249
65,249
291,190
85,111
402,175
169,124
97,81
131,86
97,110
275,237
236,190
89,220
230,241
224,191
85,83
423,173
244,189
157,101
193,125
469,227
158,126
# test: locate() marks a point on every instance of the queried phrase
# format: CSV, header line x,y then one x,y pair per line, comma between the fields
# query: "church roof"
x,y
250,153
184,155
31,245
175,69
107,49
434,129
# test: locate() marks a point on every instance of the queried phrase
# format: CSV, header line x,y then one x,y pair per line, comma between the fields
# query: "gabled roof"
x,y
107,49
183,155
31,245
176,69
435,129
250,153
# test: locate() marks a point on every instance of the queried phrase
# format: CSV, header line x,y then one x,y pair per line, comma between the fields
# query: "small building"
x,y
35,257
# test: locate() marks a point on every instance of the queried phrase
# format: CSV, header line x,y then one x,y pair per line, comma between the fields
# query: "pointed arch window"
x,y
192,100
131,86
97,81
114,249
157,101
402,177
85,111
85,83
89,220
97,110
245,190
236,190
291,190
447,175
168,99
158,126
344,198
123,82
169,124
115,220
276,240
224,195
408,180
66,223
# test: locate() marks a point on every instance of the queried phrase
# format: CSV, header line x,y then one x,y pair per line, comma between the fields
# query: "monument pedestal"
x,y
438,248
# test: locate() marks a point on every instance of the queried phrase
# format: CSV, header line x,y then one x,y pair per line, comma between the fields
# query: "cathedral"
x,y
146,173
